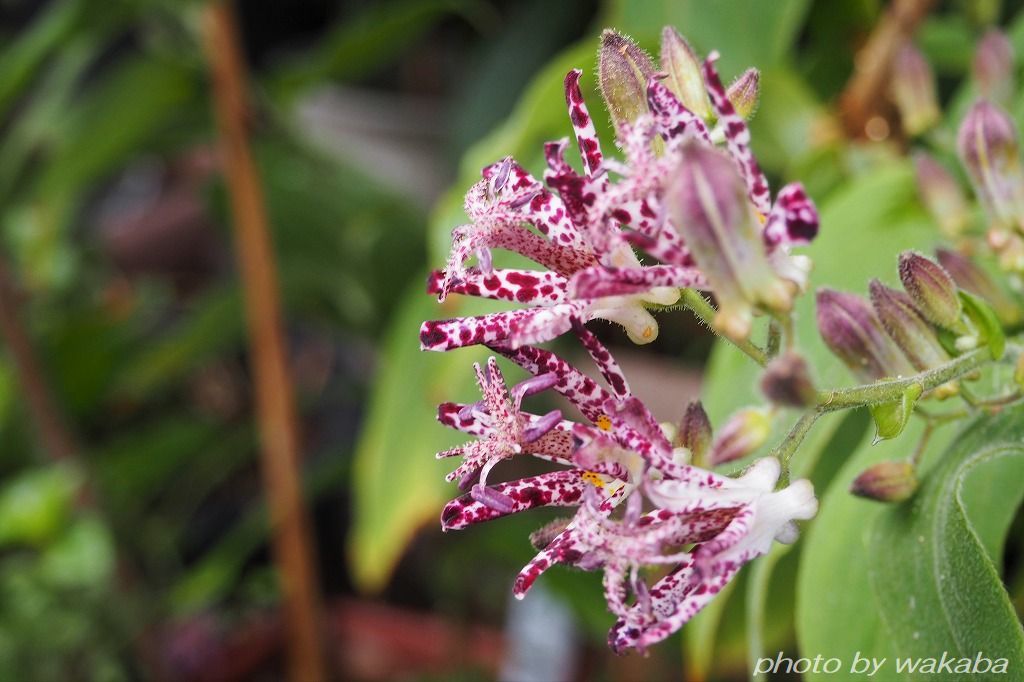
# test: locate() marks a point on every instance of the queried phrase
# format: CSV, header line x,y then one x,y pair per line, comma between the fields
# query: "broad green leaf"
x,y
398,484
935,585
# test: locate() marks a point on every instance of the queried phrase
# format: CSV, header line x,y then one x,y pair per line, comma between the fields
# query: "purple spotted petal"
x,y
793,220
737,138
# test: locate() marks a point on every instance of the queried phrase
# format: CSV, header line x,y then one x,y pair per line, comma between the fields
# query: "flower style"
x,y
585,226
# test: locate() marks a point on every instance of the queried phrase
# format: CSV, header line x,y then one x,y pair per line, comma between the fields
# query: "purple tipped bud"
x,y
745,92
541,426
708,203
853,332
743,433
988,148
941,194
886,482
971,278
499,502
911,332
543,536
624,70
913,90
787,381
694,432
685,79
1018,373
932,290
993,66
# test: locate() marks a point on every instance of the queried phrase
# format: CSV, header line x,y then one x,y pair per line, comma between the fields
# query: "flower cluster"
x,y
688,194
702,209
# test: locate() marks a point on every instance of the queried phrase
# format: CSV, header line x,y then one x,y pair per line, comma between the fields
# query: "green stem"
x,y
695,302
892,389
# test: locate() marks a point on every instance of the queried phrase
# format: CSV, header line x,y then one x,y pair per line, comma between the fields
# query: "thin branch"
x,y
865,92
692,300
50,425
275,403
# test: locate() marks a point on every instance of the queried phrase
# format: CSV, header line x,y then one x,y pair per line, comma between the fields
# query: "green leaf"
x,y
891,418
35,505
933,577
398,484
985,321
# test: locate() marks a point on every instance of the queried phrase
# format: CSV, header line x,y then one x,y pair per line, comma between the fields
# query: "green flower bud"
x,y
913,90
942,195
623,71
745,92
685,79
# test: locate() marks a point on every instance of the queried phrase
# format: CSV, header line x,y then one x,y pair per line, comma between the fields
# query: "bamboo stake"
x,y
275,404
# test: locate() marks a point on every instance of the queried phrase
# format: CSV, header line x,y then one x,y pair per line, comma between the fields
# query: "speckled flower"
x,y
582,228
616,461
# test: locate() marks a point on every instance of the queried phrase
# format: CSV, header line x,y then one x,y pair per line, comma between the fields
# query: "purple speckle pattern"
x,y
635,500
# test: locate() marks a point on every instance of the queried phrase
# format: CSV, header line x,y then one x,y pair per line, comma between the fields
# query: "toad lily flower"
x,y
585,225
753,516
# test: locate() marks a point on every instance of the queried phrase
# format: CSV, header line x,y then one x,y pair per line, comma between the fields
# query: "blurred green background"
x,y
133,534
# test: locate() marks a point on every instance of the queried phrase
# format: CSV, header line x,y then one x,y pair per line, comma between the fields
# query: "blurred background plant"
x,y
133,524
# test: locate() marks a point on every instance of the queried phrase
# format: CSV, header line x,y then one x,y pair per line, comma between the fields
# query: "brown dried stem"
x,y
275,403
864,95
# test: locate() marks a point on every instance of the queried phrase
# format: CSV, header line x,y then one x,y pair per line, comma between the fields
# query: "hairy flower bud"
x,y
543,536
932,290
941,194
707,201
694,432
787,381
993,66
911,332
988,148
745,92
853,332
913,90
743,433
970,277
624,70
685,79
886,482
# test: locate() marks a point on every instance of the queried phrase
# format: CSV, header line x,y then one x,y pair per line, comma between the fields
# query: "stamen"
x,y
542,426
499,502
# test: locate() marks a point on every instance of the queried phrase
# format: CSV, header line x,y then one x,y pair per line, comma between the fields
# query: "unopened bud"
x,y
708,203
694,432
685,79
970,277
913,90
743,433
911,332
886,482
745,92
787,381
624,70
853,332
993,67
1018,373
988,148
932,290
941,194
